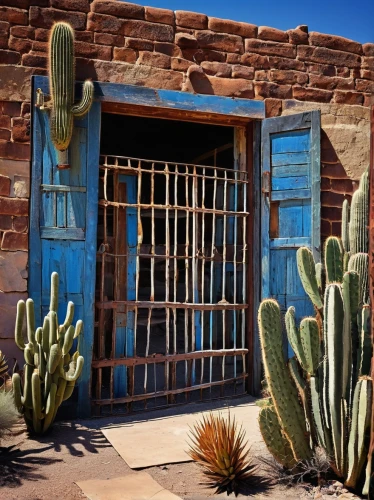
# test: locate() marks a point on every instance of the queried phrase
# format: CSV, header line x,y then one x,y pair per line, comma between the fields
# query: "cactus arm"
x,y
18,333
69,315
316,411
78,328
75,369
345,226
333,260
50,408
365,342
283,392
360,264
302,389
17,392
68,390
274,438
68,340
36,403
320,276
358,227
84,106
54,292
307,272
293,336
52,328
309,336
30,315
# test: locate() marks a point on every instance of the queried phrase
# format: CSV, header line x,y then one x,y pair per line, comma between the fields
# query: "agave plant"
x,y
218,445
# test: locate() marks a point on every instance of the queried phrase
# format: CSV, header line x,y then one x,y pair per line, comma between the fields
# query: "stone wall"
x,y
126,43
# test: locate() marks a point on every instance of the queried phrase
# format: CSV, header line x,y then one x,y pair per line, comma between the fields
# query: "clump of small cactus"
x,y
329,375
218,446
62,82
50,370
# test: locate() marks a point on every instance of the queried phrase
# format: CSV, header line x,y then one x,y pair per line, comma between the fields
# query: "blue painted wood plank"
x,y
278,243
283,183
290,221
287,194
307,218
171,99
61,233
277,160
290,141
290,171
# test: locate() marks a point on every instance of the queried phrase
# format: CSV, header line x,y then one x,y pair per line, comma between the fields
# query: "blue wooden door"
x,y
290,215
63,226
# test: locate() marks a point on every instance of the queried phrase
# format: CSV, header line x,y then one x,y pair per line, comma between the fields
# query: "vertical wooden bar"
x,y
186,253
212,273
167,277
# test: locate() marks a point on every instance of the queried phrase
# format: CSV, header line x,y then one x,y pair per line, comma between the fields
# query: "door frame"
x,y
244,114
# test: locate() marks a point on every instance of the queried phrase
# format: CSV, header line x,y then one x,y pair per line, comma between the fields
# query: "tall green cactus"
x,y
62,81
50,371
333,351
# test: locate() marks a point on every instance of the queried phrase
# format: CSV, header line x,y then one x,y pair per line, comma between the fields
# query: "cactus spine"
x,y
50,371
333,351
62,81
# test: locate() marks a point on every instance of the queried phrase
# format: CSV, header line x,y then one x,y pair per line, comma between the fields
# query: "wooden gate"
x,y
171,283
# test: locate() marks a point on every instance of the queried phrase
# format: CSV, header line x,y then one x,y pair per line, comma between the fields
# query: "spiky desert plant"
x,y
3,368
8,412
218,445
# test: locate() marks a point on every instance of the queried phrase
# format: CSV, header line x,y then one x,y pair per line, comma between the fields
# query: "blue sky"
x,y
349,18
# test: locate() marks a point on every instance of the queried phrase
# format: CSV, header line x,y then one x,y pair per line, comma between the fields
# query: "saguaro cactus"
x,y
62,80
50,371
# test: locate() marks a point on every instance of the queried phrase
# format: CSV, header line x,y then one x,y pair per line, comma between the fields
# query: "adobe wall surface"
x,y
126,43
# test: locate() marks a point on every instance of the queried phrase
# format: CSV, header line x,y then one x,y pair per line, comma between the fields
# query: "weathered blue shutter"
x,y
63,226
290,215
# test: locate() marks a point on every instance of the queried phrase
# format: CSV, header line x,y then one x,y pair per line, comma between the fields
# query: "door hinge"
x,y
266,183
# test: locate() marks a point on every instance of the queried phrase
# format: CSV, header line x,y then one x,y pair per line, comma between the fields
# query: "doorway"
x,y
172,258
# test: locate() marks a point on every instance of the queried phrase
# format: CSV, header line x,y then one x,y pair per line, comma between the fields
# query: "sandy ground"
x,y
47,468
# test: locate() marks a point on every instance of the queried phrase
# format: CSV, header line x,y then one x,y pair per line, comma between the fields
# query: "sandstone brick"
x,y
284,64
13,16
364,86
255,60
331,82
22,32
4,185
222,70
154,59
266,89
38,46
21,186
155,15
80,5
138,44
336,228
180,64
3,41
107,24
14,151
4,134
368,63
239,71
13,271
322,69
368,49
198,56
330,199
233,58
297,37
4,27
191,19
270,48
5,121
118,9
262,75
288,77
20,45
6,222
20,224
266,33
354,73
42,35
9,57
334,170
132,74
14,206
334,42
344,186
14,241
37,60
346,72
273,107
308,94
149,31
45,18
325,228
93,51
201,83
125,55
368,100
328,56
20,129
11,108
170,49
106,39
185,40
233,27
219,41
20,4
366,74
